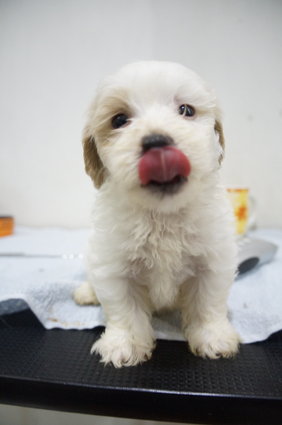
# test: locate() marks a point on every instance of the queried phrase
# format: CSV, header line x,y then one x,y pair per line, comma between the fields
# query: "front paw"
x,y
213,340
121,349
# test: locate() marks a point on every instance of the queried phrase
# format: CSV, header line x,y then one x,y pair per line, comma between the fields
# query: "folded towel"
x,y
44,280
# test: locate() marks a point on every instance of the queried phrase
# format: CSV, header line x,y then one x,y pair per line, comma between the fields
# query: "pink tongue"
x,y
162,165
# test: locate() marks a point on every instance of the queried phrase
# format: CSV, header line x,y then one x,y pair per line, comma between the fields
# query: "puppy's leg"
x,y
204,314
85,295
128,338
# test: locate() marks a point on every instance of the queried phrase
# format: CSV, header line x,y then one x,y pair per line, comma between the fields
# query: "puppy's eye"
x,y
187,110
119,120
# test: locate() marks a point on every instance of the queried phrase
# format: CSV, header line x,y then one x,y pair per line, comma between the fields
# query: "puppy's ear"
x,y
94,166
219,131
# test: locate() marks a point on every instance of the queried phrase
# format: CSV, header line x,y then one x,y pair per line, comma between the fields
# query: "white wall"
x,y
16,415
52,54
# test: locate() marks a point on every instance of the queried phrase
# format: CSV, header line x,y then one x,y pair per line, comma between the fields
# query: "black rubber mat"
x,y
53,369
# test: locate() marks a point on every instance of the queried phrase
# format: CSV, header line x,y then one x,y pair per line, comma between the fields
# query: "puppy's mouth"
x,y
164,169
168,187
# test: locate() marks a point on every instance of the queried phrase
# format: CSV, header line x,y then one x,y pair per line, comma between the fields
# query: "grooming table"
x,y
52,369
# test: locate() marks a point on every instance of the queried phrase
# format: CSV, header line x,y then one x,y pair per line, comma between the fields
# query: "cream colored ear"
x,y
219,131
93,163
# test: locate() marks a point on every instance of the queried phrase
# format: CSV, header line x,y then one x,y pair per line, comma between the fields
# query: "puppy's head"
x,y
154,132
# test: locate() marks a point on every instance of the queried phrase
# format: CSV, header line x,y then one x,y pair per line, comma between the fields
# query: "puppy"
x,y
162,230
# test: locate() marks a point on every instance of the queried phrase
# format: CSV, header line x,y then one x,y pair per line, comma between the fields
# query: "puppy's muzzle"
x,y
162,165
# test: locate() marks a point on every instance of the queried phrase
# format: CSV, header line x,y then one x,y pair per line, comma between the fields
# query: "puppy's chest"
x,y
164,252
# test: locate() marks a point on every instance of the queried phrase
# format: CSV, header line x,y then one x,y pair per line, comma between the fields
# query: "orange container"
x,y
6,225
239,198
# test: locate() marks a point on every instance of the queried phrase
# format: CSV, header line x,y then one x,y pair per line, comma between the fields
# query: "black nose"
x,y
155,141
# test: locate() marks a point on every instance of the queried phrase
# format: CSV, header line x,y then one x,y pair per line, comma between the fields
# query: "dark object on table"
x,y
254,252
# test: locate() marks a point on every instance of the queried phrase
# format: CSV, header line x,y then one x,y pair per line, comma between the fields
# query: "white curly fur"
x,y
148,250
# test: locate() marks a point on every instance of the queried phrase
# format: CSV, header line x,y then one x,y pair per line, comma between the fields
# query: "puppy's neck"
x,y
121,203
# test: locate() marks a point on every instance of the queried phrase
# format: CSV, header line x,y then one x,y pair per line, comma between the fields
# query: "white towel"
x,y
46,286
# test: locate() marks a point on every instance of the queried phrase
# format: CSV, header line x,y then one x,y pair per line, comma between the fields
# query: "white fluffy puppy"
x,y
162,233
